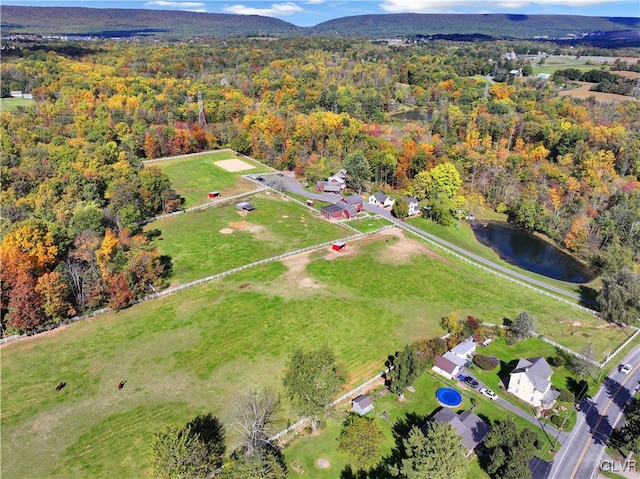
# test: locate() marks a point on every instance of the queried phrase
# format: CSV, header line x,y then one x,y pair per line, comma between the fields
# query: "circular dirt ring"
x,y
323,463
226,231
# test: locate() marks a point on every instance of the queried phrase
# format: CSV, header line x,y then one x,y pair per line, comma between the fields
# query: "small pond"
x,y
411,115
527,251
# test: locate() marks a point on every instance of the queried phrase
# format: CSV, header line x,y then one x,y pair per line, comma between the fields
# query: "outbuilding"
x,y
245,206
362,404
338,245
213,194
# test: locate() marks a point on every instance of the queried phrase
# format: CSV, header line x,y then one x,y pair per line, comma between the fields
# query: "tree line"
x,y
72,171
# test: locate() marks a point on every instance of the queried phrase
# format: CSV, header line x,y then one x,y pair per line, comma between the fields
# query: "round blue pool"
x,y
449,397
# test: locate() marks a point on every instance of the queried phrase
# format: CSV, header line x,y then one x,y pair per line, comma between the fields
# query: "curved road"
x,y
293,186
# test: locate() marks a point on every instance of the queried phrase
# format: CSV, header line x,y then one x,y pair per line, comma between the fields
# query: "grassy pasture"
x,y
194,176
12,104
209,241
194,351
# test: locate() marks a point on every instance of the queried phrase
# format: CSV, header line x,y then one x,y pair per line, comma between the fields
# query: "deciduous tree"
x,y
361,438
311,381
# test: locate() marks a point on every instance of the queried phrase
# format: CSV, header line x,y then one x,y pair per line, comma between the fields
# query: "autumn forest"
x,y
74,190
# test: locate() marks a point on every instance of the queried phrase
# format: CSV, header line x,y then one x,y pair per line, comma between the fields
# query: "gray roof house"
x,y
413,205
362,404
465,349
245,206
380,199
467,425
531,382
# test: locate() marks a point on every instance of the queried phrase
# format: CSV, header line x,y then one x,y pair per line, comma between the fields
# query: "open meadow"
x,y
194,351
194,176
209,241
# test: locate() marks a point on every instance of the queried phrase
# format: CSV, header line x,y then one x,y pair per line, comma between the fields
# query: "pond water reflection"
x,y
411,115
529,252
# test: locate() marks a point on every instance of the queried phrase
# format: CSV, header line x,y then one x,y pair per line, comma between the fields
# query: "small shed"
x,y
338,245
213,194
362,404
245,206
310,203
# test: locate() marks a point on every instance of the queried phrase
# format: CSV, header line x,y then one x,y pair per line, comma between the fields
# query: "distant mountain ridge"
x,y
180,24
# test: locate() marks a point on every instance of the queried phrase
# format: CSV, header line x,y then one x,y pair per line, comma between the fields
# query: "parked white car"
x,y
489,393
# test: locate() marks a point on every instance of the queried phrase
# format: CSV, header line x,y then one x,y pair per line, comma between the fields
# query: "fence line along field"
x,y
213,240
195,351
194,176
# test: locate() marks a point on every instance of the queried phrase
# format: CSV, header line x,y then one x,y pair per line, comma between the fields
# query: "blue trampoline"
x,y
449,397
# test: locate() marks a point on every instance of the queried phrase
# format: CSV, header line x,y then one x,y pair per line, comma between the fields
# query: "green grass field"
x,y
11,104
194,351
217,239
194,176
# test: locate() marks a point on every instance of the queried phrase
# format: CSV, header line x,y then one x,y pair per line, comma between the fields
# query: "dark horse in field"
x,y
60,386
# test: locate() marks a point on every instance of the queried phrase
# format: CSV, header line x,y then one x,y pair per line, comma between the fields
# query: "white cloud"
x,y
191,6
275,10
314,2
442,6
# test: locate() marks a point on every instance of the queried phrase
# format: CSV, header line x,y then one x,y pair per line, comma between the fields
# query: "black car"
x,y
259,178
469,381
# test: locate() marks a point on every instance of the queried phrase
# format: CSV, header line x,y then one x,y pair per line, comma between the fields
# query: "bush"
x,y
556,420
485,362
557,361
566,396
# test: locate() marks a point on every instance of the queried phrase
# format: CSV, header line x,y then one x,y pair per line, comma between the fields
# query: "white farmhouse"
x,y
531,382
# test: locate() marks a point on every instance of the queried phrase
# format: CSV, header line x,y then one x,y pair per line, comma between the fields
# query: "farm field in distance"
x,y
192,352
194,176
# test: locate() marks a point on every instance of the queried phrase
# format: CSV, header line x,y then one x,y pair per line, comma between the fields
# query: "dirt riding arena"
x,y
234,165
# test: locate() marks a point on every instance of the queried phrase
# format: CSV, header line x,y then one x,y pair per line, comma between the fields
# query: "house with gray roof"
x,y
382,200
467,425
330,187
412,203
362,404
354,200
531,382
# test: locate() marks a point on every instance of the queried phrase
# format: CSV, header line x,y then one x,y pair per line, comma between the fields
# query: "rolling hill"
x,y
181,25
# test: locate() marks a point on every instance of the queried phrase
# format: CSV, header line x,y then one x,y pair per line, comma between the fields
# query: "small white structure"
x,y
465,350
412,203
531,382
362,404
445,367
382,200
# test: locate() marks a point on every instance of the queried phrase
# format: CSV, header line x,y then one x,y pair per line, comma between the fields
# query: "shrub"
x,y
556,420
485,362
557,361
566,396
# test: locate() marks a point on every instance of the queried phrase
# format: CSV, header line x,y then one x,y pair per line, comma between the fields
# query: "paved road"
x,y
292,185
582,453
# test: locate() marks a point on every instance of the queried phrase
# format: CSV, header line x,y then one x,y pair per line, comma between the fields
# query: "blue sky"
x,y
312,12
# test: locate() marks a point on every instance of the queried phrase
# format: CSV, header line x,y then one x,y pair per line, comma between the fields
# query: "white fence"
x,y
197,282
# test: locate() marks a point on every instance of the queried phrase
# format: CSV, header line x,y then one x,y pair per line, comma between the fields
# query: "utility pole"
x,y
202,119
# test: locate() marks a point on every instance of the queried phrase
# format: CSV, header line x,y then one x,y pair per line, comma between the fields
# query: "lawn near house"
x,y
194,176
415,409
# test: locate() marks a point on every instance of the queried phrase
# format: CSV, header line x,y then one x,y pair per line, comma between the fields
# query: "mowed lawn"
x,y
205,242
194,176
196,350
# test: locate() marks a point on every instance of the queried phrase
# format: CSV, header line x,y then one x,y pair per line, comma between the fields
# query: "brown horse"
x,y
121,384
60,386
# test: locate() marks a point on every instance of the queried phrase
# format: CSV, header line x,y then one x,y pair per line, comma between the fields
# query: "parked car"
x,y
489,393
469,381
625,368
